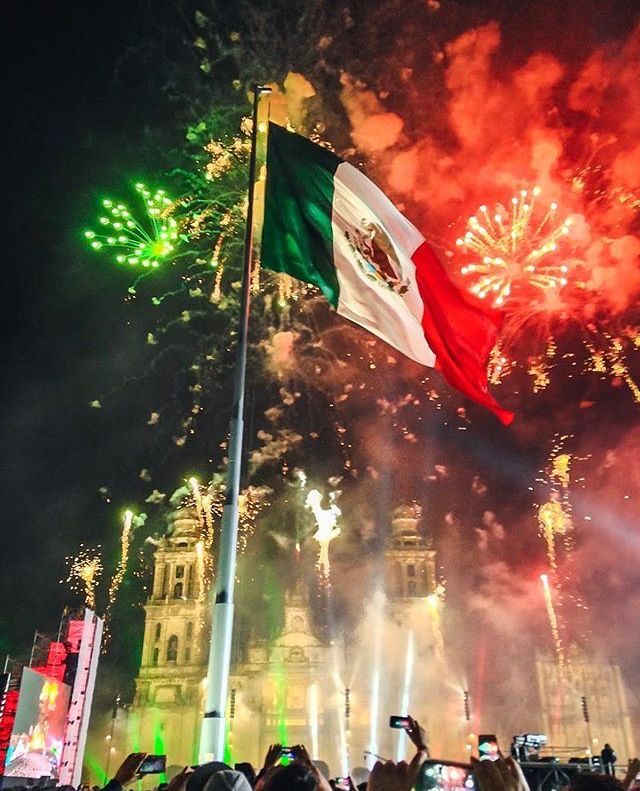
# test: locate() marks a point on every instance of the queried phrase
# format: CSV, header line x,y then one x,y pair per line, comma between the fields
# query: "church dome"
x,y
405,520
185,523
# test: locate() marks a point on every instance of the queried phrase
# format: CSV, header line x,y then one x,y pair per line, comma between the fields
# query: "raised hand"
x,y
393,777
273,755
299,752
179,781
504,774
129,768
416,733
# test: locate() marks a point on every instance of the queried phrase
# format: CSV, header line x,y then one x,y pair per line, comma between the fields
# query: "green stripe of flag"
x,y
297,237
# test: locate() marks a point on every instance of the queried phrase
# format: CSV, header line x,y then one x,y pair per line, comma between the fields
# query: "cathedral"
x,y
291,689
584,704
333,695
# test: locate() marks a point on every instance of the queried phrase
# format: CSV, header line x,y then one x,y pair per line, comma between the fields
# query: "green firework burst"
x,y
146,242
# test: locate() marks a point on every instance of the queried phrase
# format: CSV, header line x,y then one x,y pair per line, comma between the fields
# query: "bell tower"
x,y
409,558
174,616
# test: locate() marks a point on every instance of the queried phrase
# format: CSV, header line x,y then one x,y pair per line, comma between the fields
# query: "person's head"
x,y
227,780
294,777
198,779
248,771
587,781
607,746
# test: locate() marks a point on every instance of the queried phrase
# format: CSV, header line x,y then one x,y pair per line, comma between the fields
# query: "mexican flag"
x,y
327,224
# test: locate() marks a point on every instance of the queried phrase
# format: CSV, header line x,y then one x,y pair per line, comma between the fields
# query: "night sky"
x,y
86,111
71,123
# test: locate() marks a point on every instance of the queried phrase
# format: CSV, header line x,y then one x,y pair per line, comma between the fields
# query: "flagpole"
x,y
212,735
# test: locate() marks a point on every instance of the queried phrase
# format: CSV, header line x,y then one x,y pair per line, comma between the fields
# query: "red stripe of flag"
x,y
460,334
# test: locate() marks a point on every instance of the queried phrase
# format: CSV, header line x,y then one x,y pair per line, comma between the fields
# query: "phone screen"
x,y
488,747
398,722
449,776
153,765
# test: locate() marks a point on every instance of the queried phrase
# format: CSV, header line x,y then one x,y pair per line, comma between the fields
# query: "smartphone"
x,y
445,776
153,765
286,756
398,722
343,783
488,747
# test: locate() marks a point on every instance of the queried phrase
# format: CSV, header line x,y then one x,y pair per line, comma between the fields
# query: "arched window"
x,y
189,630
158,630
177,590
154,657
172,648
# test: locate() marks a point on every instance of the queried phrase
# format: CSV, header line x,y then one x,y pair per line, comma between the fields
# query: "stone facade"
x,y
600,682
294,689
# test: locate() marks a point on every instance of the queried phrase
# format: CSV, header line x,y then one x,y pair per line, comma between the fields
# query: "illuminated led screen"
x,y
38,731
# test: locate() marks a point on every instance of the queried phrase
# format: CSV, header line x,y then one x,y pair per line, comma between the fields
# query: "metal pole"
x,y
213,724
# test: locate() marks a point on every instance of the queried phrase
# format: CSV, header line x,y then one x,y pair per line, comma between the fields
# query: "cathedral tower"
x,y
410,560
168,702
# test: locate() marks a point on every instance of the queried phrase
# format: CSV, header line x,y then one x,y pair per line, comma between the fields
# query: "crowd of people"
x,y
292,769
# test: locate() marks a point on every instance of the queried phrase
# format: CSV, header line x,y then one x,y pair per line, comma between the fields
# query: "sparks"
x,y
553,620
434,604
326,519
84,574
125,544
513,249
146,243
553,521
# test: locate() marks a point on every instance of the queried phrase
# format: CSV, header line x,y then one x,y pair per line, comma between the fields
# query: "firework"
x,y
553,521
619,367
85,570
209,503
125,545
251,502
326,521
513,250
204,504
203,578
434,603
553,619
146,242
524,260
555,515
499,365
560,468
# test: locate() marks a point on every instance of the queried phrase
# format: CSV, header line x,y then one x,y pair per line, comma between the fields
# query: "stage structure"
x,y
84,638
45,706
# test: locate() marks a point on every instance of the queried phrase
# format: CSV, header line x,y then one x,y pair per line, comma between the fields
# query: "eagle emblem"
x,y
377,257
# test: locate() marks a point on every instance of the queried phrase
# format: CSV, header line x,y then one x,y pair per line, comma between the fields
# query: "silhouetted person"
x,y
608,759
